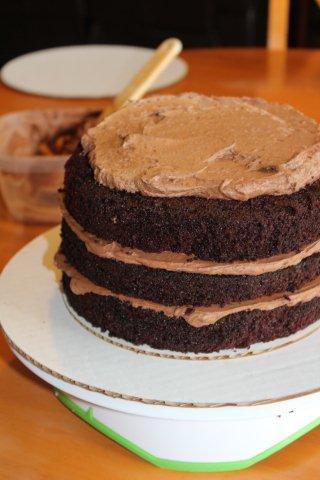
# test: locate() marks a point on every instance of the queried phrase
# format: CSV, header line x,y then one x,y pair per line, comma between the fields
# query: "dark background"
x,y
29,25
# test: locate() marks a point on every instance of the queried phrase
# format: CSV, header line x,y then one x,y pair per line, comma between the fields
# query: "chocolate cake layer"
x,y
141,326
178,288
219,230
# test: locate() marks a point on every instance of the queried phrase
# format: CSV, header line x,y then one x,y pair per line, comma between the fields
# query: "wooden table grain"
x,y
39,438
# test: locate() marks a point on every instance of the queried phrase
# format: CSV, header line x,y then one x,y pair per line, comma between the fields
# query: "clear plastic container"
x,y
29,182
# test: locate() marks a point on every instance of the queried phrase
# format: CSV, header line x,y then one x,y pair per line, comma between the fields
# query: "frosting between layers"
x,y
212,147
195,316
181,262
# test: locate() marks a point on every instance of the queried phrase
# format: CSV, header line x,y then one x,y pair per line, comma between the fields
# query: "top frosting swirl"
x,y
212,147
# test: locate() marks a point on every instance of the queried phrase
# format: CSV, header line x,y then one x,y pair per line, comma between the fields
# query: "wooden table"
x,y
39,438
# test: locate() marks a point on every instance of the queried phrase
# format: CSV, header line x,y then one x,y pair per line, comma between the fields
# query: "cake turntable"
x,y
200,414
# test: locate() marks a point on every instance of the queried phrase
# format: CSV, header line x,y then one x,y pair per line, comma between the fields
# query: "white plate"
x,y
84,71
40,328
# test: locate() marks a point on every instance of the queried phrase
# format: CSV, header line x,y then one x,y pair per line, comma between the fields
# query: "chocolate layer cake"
x,y
192,223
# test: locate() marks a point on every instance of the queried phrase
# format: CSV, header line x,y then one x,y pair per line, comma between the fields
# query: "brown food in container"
x,y
34,146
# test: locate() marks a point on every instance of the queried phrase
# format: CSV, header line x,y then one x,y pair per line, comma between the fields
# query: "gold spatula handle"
x,y
146,76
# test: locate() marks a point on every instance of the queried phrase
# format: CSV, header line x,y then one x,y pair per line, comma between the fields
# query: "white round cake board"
x,y
42,331
83,71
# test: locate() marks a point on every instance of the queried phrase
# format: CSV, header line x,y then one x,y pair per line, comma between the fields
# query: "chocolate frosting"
x,y
195,316
212,147
180,261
